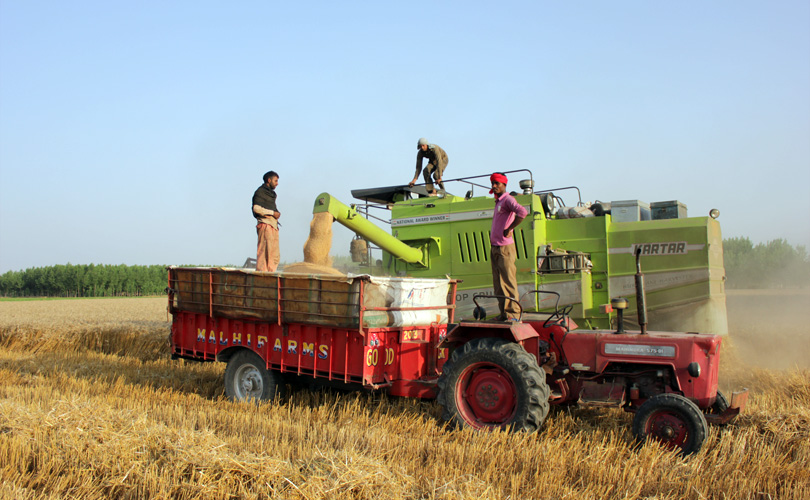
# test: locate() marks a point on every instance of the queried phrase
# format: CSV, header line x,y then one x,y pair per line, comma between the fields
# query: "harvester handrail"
x,y
579,195
369,216
486,176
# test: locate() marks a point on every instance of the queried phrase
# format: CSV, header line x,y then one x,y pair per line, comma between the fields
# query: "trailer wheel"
x,y
491,383
673,421
247,379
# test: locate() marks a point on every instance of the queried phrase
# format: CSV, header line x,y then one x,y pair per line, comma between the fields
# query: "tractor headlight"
x,y
693,369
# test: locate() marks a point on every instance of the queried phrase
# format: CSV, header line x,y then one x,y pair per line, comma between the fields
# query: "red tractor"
x,y
508,374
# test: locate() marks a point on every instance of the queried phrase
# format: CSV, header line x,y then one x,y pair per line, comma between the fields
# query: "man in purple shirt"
x,y
507,215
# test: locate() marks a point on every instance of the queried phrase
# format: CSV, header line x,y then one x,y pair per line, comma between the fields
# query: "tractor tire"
x,y
673,421
492,383
720,405
247,378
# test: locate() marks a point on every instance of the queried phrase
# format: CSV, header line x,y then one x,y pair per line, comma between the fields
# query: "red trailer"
x,y
399,335
375,332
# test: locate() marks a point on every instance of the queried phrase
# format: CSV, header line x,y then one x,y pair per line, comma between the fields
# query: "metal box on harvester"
x,y
629,210
668,210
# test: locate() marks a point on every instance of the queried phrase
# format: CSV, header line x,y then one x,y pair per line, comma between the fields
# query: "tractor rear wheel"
x,y
247,378
492,383
673,421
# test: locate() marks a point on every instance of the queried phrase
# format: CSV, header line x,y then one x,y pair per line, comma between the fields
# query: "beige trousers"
x,y
504,278
267,254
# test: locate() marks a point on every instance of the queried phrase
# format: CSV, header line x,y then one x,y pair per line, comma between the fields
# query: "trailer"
x,y
361,331
401,335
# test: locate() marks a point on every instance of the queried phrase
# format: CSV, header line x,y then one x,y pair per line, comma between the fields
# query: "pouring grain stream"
x,y
316,248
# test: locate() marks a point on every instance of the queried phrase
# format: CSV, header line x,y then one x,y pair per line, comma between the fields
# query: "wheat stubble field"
x,y
91,406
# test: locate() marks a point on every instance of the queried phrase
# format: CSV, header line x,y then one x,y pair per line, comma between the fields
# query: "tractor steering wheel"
x,y
560,315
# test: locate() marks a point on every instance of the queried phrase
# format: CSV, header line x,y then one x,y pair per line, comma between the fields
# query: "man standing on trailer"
x,y
506,217
437,162
267,214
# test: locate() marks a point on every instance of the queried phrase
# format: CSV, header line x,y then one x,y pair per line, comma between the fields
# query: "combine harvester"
x,y
585,253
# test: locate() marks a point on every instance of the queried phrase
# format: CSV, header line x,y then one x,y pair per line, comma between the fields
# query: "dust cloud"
x,y
770,328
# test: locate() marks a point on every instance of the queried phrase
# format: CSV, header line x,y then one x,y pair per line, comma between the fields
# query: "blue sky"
x,y
137,133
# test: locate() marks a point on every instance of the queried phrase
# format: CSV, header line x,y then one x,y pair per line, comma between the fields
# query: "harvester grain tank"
x,y
583,252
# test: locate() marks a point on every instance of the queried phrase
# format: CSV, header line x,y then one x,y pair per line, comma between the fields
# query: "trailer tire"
x,y
248,379
492,383
673,421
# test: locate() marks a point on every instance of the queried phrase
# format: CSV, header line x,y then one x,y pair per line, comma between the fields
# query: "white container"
x,y
405,293
629,211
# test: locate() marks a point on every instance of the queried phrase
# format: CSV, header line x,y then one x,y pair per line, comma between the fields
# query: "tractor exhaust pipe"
x,y
641,301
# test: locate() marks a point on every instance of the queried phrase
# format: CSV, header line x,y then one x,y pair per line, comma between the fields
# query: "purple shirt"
x,y
506,208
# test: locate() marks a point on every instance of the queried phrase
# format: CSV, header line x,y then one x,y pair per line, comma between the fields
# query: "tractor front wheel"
x,y
247,378
492,383
673,421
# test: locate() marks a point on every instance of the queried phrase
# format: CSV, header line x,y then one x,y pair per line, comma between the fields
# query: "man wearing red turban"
x,y
506,217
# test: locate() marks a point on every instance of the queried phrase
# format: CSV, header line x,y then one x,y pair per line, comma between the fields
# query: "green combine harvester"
x,y
584,252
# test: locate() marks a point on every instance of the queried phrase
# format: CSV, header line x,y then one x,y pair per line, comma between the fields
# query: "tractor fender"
x,y
463,332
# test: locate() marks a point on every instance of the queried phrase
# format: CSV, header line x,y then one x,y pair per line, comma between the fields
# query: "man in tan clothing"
x,y
437,162
267,214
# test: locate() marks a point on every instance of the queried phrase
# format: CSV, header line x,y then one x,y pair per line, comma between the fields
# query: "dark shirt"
x,y
265,197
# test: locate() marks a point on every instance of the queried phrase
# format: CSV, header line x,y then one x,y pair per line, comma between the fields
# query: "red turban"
x,y
496,177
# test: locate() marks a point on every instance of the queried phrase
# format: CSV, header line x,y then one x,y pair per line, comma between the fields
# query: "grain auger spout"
x,y
349,217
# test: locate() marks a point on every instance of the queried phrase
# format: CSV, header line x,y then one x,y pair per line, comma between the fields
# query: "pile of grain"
x,y
309,268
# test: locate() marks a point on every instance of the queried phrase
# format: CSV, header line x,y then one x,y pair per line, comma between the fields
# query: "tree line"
x,y
775,264
90,280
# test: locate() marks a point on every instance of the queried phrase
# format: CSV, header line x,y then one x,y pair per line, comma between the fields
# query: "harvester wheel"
x,y
247,378
492,383
672,420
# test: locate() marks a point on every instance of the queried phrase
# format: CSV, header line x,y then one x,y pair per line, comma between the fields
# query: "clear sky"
x,y
137,132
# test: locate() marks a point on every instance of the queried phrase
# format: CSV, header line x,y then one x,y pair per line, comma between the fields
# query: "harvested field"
x,y
91,406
